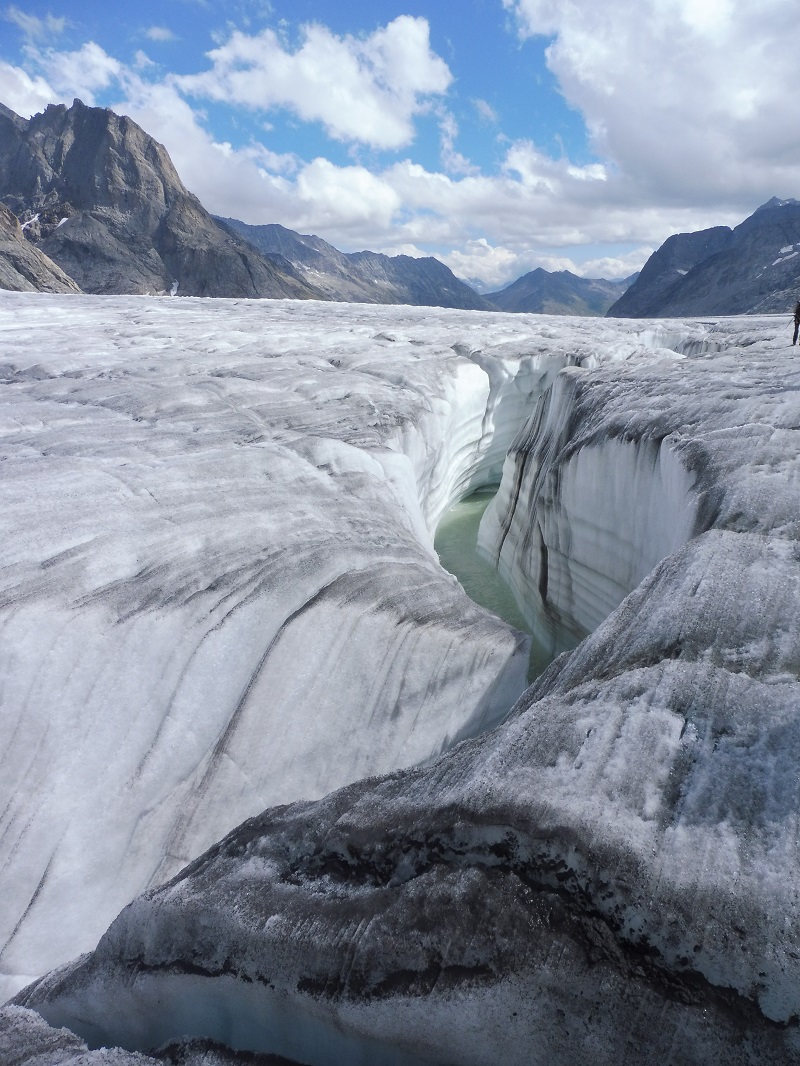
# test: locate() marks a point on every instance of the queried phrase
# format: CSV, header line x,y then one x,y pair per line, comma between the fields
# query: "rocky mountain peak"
x,y
94,158
103,199
752,269
11,116
777,202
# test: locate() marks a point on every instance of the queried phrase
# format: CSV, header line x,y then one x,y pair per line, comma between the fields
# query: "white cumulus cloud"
x,y
160,33
688,99
362,89
23,93
81,73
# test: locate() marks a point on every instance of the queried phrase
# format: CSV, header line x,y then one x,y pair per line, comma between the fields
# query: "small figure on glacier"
x,y
796,322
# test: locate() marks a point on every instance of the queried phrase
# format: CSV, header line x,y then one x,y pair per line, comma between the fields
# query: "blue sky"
x,y
499,135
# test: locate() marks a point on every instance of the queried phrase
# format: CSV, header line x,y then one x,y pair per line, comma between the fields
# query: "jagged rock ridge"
x,y
108,207
363,277
752,269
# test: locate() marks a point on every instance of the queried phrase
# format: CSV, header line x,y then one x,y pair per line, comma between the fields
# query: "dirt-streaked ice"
x,y
218,584
226,596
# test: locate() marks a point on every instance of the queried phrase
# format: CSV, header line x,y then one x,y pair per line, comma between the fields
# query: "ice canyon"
x,y
271,782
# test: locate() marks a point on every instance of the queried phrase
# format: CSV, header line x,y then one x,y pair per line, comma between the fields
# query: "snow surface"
x,y
219,585
610,874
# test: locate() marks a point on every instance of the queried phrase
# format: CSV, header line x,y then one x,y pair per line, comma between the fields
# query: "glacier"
x,y
226,616
219,586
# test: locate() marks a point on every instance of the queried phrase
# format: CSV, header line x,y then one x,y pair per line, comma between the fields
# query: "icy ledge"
x,y
608,876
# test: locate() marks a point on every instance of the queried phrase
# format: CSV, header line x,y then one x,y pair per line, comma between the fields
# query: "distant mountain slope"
x,y
363,277
752,269
23,268
559,293
113,213
667,267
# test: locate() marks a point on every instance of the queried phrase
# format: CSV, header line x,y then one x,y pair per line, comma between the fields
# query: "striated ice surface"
x,y
218,589
611,873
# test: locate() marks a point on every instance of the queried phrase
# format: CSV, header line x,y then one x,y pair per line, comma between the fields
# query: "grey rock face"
x,y
752,269
114,214
363,277
558,293
666,268
23,268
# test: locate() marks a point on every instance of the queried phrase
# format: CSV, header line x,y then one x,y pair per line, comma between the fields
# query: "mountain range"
x,y
751,269
559,293
105,211
362,277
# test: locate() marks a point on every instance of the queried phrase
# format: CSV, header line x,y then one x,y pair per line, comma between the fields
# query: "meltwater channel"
x,y
456,544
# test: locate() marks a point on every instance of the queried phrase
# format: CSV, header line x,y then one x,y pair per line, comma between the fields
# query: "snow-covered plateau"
x,y
220,595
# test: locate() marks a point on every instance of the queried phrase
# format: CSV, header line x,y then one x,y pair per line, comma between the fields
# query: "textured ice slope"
x,y
217,584
611,874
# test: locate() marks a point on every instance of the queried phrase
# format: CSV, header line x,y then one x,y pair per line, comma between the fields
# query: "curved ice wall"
x,y
582,517
226,595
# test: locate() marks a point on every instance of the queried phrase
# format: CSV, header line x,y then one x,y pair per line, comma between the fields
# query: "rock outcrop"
x,y
23,267
103,200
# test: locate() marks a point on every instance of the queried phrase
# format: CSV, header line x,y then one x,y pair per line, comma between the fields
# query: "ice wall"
x,y
578,521
218,589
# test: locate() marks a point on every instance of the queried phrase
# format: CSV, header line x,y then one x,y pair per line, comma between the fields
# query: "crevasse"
x,y
575,526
